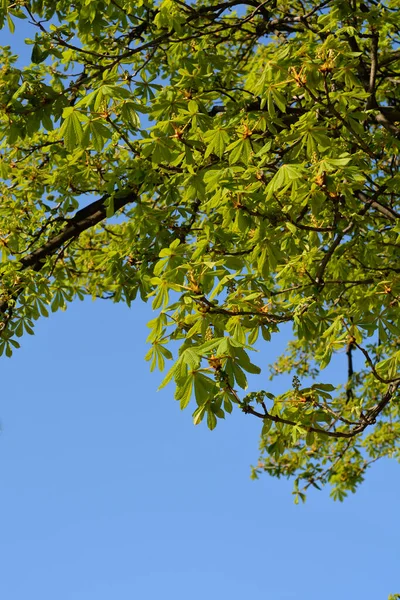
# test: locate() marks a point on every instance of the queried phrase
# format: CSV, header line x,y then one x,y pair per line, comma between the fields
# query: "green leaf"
x,y
240,377
129,114
11,25
110,210
203,387
38,56
191,357
285,175
99,133
327,387
211,420
199,414
184,392
217,141
267,424
171,373
71,131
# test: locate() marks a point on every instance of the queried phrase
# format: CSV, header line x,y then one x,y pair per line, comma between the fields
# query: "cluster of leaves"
x,y
251,151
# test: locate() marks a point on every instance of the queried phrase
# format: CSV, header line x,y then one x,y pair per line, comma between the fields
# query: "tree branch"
x,y
84,219
324,262
369,418
384,210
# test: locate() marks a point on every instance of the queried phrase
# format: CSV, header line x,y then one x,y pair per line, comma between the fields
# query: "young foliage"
x,y
237,165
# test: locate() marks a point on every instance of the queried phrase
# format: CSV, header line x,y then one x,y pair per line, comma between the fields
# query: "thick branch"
x,y
350,370
290,117
84,219
374,67
384,210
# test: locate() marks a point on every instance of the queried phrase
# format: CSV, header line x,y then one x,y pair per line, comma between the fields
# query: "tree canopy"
x,y
235,163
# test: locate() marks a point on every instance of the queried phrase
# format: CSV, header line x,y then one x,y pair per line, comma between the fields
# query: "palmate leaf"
x,y
99,134
71,131
216,142
240,150
204,388
285,175
129,114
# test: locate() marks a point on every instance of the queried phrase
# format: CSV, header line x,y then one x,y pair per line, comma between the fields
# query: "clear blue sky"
x,y
107,490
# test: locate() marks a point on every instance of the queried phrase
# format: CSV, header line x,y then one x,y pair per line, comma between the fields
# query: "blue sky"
x,y
109,491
